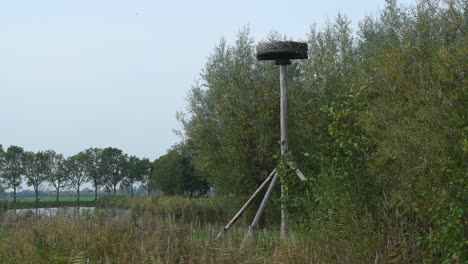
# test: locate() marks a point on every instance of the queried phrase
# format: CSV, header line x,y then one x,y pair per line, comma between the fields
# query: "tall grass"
x,y
138,237
207,210
179,230
200,209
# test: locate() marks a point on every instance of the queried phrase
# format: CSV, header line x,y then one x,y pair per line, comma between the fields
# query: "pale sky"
x,y
76,74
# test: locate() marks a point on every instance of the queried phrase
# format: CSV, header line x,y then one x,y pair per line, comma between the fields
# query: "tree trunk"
x,y
131,186
115,185
14,195
57,197
78,193
36,192
95,192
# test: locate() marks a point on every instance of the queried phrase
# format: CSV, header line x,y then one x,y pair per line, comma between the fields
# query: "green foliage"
x,y
75,169
174,172
166,173
13,168
107,167
38,167
2,161
416,112
446,209
112,167
146,172
147,237
202,209
40,243
93,165
231,117
56,174
134,170
377,124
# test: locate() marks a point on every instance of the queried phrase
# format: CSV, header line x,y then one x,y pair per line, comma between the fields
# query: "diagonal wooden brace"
x,y
298,172
260,210
246,205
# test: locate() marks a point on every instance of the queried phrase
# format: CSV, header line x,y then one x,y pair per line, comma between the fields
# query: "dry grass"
x,y
142,239
174,230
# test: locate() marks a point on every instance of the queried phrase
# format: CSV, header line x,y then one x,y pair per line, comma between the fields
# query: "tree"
x,y
146,177
232,118
2,164
13,169
76,171
133,171
413,81
38,167
113,162
33,168
192,181
377,124
94,168
2,161
175,173
166,173
57,175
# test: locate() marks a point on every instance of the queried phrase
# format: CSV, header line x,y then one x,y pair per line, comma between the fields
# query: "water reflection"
x,y
53,211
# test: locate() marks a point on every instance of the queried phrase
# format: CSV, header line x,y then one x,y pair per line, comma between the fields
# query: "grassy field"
x,y
206,210
176,230
68,198
153,230
148,239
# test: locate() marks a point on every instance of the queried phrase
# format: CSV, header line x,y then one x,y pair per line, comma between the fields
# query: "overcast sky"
x,y
76,74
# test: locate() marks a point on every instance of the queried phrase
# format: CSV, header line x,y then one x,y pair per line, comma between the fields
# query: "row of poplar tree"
x,y
107,168
377,123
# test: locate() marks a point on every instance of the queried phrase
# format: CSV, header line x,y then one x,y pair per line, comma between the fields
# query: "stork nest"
x,y
282,51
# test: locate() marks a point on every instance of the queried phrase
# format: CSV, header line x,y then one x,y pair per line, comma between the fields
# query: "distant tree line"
x,y
377,122
107,168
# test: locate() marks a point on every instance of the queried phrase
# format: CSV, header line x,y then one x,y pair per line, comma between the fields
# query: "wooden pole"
x,y
246,205
284,143
260,210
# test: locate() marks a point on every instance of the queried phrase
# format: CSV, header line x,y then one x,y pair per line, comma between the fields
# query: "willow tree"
x,y
377,123
414,82
232,118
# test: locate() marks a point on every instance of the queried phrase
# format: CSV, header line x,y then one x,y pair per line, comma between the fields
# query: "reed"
x,y
179,230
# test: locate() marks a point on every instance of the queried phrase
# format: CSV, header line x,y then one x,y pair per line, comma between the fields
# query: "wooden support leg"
x,y
259,213
246,205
